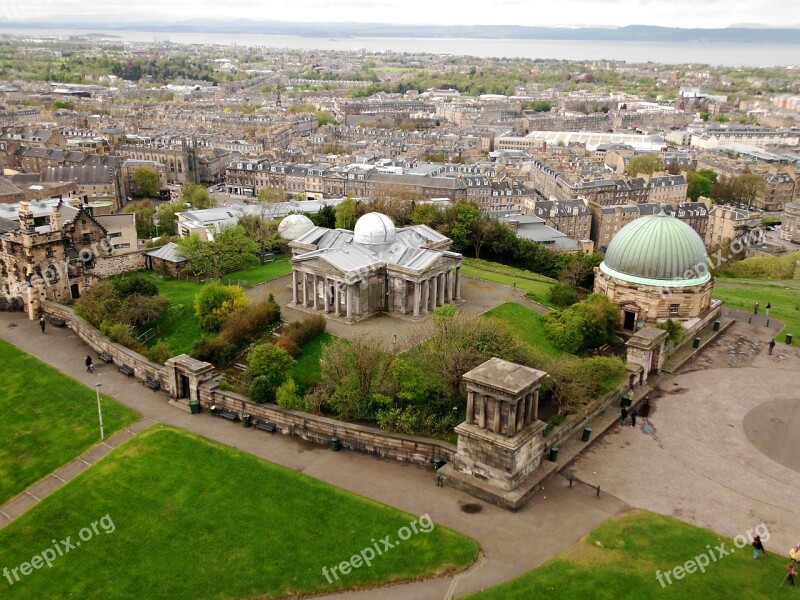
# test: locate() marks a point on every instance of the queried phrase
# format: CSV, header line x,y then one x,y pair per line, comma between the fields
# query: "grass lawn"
x,y
266,272
537,286
48,419
619,559
305,370
527,324
783,295
196,519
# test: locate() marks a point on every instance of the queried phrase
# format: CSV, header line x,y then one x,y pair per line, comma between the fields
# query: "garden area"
x,y
620,560
261,530
48,419
527,324
537,287
783,295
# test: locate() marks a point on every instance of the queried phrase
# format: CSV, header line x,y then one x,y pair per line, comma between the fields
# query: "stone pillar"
x,y
305,289
512,420
338,297
417,298
349,301
451,275
528,402
294,286
497,408
458,283
314,292
434,292
326,292
482,414
470,406
404,303
424,304
442,285
536,405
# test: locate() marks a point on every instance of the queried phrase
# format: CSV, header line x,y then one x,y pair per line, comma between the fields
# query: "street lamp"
x,y
99,410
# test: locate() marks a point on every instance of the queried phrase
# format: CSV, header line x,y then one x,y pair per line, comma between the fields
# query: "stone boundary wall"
x,y
314,428
119,263
142,367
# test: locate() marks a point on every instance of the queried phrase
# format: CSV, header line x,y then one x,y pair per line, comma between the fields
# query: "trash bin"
x,y
716,325
336,443
554,454
587,433
789,338
194,407
624,400
696,342
438,463
247,420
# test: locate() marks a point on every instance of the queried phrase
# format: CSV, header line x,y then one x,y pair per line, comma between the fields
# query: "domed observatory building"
x,y
656,268
376,268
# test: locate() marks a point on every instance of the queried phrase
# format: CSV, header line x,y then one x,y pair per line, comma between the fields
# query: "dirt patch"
x,y
471,508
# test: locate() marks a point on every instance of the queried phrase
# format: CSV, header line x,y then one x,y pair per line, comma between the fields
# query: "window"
x,y
674,309
122,246
115,234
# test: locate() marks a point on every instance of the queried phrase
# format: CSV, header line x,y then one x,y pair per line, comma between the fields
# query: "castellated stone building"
x,y
376,268
656,268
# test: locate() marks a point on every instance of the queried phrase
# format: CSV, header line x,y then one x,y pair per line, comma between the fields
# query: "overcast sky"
x,y
672,13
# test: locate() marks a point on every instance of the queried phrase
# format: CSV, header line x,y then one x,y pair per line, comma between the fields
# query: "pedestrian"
x,y
758,547
766,310
623,416
634,414
755,308
790,574
89,364
42,323
771,346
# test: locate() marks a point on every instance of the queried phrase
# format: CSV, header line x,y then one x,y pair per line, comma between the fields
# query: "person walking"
x,y
623,416
766,310
634,414
790,574
42,323
771,346
89,364
758,547
755,308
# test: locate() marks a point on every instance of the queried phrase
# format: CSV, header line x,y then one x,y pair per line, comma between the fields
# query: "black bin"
x,y
438,463
247,420
789,337
554,454
587,433
716,325
336,443
696,342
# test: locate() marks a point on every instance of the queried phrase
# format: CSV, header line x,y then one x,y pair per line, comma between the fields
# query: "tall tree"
x,y
230,250
646,164
346,214
146,181
196,195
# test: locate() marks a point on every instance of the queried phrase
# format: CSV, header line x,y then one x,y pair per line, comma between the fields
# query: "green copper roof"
x,y
657,250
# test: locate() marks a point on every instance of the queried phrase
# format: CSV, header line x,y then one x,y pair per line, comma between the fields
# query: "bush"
x,y
216,351
99,303
302,332
286,396
159,353
138,309
134,283
587,324
673,328
122,333
563,295
552,423
289,345
245,326
262,390
216,303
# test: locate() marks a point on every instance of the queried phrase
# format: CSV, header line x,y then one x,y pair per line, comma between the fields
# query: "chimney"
x,y
26,216
55,219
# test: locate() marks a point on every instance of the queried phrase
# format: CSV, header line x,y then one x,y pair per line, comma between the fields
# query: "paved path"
x,y
723,453
34,494
512,543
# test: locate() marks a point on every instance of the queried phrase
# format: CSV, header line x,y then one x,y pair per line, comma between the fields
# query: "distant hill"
x,y
635,33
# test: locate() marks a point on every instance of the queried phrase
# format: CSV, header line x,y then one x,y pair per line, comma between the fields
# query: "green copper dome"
x,y
657,250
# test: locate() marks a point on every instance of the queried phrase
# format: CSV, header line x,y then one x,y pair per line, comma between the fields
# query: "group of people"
x,y
794,558
766,311
623,417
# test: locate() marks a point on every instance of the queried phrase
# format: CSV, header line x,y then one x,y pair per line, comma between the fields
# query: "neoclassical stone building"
x,y
375,268
656,268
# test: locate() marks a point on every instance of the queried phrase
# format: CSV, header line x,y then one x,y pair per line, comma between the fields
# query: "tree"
x,y
346,214
747,188
197,196
578,270
167,217
264,233
230,250
587,324
146,181
215,304
144,211
646,164
700,183
326,217
459,224
269,368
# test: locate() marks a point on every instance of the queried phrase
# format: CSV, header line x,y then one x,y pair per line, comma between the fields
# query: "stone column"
x,y
314,293
470,407
294,286
450,282
305,290
326,292
528,402
442,284
497,406
512,420
434,292
349,301
482,414
424,304
417,298
536,405
458,283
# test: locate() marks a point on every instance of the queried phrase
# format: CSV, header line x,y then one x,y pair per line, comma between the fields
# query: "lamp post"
x,y
99,410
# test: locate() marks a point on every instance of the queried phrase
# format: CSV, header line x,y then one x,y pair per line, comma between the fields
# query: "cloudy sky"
x,y
674,13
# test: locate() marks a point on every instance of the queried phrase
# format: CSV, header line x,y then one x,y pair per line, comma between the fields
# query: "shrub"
x,y
122,333
289,345
216,303
159,353
261,390
673,328
302,332
138,309
286,396
99,303
563,295
552,423
217,351
586,324
244,326
134,283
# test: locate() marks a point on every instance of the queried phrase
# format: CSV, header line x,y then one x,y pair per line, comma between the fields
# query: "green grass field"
x,y
196,519
266,272
305,370
182,332
48,419
537,286
527,324
783,295
619,560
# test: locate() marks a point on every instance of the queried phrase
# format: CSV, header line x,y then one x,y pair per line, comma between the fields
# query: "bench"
x,y
58,322
106,357
152,383
266,426
126,369
227,414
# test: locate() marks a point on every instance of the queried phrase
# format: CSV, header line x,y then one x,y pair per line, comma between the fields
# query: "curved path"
x,y
512,543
